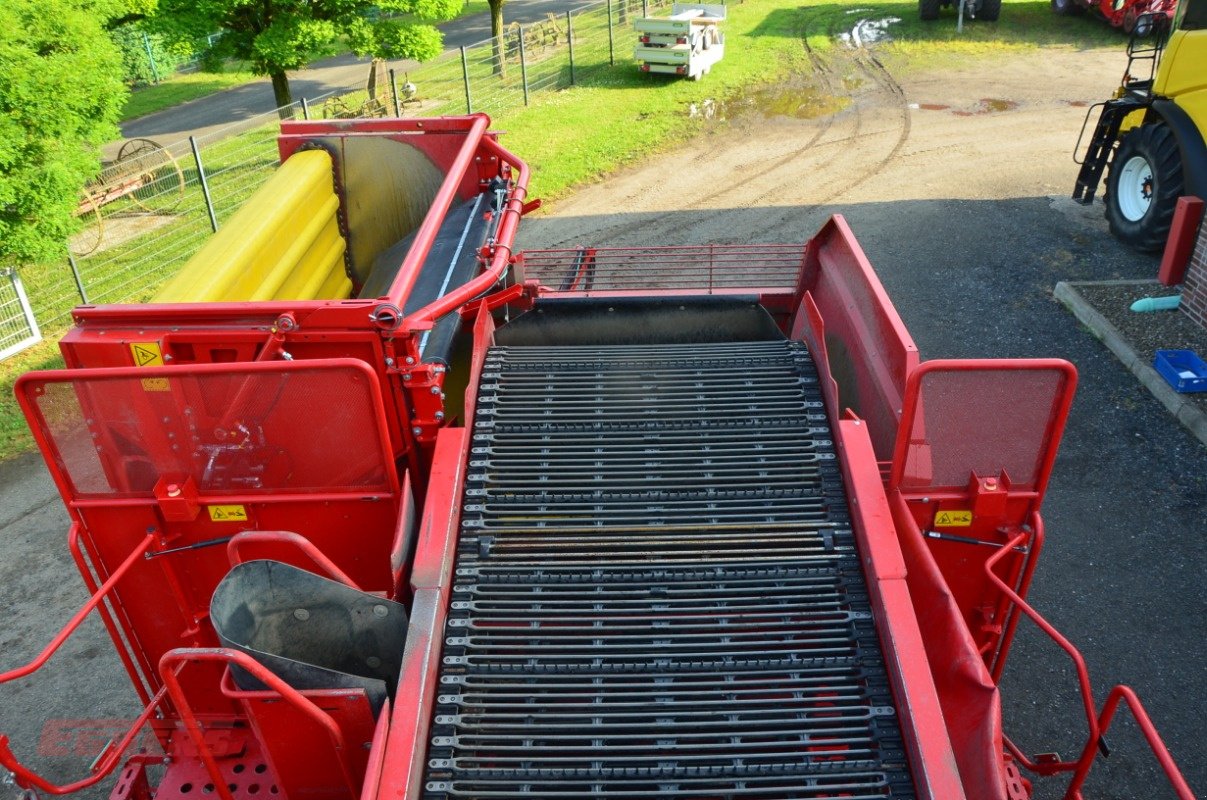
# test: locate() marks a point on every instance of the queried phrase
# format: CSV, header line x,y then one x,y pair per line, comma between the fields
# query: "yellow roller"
x,y
283,244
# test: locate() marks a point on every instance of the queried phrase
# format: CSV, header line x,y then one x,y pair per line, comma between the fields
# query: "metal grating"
x,y
657,592
711,268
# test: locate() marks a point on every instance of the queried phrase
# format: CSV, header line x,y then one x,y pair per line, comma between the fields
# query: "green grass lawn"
x,y
181,88
614,116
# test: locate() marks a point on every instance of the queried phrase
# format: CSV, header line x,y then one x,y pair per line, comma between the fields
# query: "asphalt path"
x,y
207,115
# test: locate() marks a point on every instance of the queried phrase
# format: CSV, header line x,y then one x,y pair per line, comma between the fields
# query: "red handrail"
x,y
426,233
1180,786
288,537
172,664
63,635
1083,673
510,220
110,757
1098,724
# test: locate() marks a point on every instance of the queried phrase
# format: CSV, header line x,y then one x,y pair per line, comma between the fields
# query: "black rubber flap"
x,y
663,320
312,632
450,263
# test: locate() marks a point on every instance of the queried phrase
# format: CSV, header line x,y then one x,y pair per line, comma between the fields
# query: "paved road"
x,y
343,73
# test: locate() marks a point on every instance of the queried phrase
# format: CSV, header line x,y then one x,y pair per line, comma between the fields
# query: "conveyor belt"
x,y
657,592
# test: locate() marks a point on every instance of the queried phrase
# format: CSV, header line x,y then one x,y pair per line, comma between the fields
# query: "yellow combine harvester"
x,y
1159,122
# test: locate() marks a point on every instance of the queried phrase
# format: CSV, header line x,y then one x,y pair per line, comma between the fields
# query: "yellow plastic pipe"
x,y
283,244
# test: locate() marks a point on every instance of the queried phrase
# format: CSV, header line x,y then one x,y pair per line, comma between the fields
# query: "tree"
x,y
496,33
275,36
61,94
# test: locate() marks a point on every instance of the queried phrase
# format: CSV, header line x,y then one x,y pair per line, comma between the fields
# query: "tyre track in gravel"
x,y
718,144
817,146
874,69
832,85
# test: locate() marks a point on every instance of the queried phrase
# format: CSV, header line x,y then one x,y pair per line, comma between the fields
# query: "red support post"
x,y
1182,235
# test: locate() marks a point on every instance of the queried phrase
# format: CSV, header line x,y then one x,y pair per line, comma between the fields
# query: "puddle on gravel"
x,y
868,31
795,102
987,105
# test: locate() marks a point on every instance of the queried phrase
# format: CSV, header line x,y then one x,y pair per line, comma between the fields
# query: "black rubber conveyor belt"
x,y
657,591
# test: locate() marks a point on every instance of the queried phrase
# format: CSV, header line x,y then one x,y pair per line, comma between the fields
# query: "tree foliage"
x,y
61,94
137,69
275,36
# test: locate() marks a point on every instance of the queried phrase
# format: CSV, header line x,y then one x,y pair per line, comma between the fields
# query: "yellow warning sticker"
x,y
146,354
228,513
953,519
155,385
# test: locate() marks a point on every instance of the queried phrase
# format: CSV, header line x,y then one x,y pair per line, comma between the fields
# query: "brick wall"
x,y
1194,289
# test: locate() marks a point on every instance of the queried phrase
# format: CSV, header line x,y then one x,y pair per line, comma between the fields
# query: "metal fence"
x,y
155,206
18,328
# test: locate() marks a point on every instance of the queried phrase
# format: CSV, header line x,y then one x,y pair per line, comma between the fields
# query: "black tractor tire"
x,y
1067,8
990,10
929,9
1143,187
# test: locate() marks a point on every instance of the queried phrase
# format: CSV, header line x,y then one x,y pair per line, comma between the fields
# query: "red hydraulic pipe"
x,y
424,317
425,234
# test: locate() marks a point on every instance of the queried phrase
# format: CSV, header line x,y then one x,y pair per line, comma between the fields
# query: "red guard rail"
x,y
110,756
174,662
316,556
1098,724
510,220
425,234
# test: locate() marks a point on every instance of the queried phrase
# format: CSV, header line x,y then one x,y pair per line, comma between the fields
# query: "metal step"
x,y
657,592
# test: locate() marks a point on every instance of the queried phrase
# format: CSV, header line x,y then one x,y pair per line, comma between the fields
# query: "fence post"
x,y
305,108
469,102
75,273
611,43
146,43
523,65
645,8
570,42
205,186
394,93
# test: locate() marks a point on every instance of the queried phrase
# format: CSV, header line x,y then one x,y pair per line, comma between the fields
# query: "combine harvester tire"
x,y
1143,187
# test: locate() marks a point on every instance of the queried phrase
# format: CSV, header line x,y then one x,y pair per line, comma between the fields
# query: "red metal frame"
x,y
946,609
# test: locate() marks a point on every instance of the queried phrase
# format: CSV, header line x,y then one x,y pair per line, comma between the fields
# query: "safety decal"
x,y
228,513
953,519
146,354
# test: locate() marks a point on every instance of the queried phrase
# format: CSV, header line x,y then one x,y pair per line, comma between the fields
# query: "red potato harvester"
x,y
374,507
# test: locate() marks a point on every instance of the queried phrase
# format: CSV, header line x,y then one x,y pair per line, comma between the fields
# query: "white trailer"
x,y
688,42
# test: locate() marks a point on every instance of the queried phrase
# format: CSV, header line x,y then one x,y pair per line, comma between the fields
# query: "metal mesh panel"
x,y
18,328
985,421
296,430
706,267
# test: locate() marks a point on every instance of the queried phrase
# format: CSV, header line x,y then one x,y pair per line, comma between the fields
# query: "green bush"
x,y
133,43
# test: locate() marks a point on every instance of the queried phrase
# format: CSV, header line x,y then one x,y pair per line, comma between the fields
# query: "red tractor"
x,y
683,522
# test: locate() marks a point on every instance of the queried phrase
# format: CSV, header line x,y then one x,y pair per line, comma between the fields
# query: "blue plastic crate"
x,y
1182,369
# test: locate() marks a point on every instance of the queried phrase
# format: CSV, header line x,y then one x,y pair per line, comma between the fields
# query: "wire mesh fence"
x,y
18,328
156,205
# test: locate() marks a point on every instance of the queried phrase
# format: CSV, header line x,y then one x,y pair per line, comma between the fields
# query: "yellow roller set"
x,y
283,244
